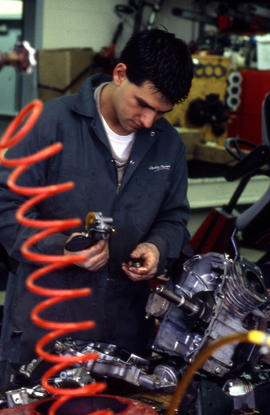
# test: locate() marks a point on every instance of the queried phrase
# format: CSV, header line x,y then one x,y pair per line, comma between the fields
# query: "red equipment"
x,y
245,123
82,406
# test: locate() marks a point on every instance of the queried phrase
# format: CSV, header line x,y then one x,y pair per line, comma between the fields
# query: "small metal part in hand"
x,y
136,262
97,227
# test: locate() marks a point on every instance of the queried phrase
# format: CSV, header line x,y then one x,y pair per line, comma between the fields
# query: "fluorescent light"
x,y
11,9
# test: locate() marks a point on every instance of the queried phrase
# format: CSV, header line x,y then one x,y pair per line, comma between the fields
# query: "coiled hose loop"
x,y
16,131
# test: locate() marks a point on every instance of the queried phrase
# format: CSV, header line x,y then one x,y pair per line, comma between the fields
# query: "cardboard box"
x,y
263,52
62,71
191,137
213,153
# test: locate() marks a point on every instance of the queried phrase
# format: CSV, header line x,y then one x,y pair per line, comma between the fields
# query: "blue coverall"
x,y
151,206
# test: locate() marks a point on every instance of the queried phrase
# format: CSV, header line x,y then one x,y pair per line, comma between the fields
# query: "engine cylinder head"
x,y
244,288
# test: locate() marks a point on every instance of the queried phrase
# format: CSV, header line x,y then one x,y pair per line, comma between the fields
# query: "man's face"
x,y
138,107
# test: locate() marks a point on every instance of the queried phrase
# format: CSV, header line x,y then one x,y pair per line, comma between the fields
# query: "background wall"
x,y
91,23
53,24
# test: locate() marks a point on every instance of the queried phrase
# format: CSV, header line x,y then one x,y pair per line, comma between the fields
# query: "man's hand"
x,y
149,254
97,256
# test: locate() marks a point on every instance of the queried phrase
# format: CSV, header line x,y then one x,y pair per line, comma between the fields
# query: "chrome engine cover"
x,y
230,296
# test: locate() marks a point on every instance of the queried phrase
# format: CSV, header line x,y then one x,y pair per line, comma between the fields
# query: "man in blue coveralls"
x,y
127,162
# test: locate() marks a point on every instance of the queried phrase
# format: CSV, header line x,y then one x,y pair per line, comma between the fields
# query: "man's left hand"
x,y
148,254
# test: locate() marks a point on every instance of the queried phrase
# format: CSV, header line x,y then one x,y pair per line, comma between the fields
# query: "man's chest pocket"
x,y
153,187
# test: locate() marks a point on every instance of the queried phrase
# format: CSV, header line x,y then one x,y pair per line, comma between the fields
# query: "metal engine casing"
x,y
212,296
232,297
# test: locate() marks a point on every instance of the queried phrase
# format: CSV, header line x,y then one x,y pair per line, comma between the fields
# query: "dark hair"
x,y
159,57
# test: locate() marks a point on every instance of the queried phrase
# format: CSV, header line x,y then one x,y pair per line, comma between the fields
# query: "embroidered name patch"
x,y
159,167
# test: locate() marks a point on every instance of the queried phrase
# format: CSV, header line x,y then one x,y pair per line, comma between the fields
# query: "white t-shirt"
x,y
120,145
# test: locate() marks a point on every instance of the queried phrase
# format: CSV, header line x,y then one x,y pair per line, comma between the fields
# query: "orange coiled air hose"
x,y
16,131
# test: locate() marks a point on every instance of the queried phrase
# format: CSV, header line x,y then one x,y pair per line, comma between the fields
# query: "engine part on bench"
x,y
112,362
237,387
213,296
97,227
233,92
116,363
210,110
233,102
235,78
208,70
24,395
230,296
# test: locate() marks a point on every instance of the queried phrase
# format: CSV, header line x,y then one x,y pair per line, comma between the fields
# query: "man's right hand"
x,y
97,256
